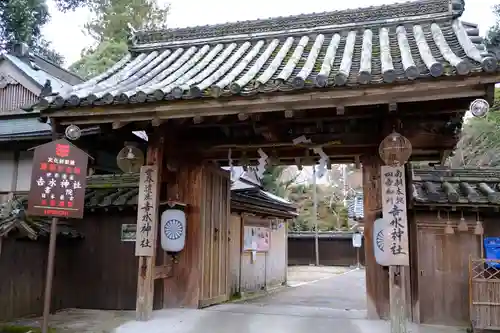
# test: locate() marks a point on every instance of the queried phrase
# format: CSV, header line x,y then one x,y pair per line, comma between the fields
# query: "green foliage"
x,y
332,214
112,17
272,180
492,39
21,21
22,329
479,144
95,61
110,29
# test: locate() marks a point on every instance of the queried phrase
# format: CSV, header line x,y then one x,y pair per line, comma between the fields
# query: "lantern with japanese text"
x,y
395,149
173,227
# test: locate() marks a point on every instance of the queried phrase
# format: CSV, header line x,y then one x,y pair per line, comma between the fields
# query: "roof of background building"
x,y
40,70
366,46
441,186
118,192
466,187
15,125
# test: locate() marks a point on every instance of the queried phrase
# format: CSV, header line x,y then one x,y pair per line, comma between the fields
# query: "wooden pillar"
x,y
146,269
377,277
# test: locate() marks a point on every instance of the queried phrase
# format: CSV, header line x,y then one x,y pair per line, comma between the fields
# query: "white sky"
x,y
65,29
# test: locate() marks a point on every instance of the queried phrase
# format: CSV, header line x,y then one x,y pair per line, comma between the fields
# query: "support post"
x,y
377,284
358,265
51,257
49,275
397,296
315,214
145,281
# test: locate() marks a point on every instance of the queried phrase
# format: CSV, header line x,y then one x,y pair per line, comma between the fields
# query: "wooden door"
x,y
443,275
215,238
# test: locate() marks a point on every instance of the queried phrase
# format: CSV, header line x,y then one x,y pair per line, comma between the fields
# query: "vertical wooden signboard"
x,y
58,182
395,214
146,237
146,212
394,241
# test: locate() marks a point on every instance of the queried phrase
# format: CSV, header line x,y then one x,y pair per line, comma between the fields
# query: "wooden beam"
x,y
403,92
119,124
163,272
242,116
145,282
141,114
197,119
157,122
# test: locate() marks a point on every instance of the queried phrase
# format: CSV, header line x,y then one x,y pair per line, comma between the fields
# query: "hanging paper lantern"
x,y
395,150
173,228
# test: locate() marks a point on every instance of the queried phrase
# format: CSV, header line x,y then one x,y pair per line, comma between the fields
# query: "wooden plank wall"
x,y
183,288
442,269
215,237
23,264
332,252
105,267
276,259
269,268
235,237
200,277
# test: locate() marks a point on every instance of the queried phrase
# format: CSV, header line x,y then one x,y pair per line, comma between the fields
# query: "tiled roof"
x,y
375,45
13,217
121,191
20,127
110,192
469,187
30,67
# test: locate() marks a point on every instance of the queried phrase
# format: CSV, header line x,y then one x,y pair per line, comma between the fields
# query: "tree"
x,y
479,143
110,29
492,39
274,180
21,21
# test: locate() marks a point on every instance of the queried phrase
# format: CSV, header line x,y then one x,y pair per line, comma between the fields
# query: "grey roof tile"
x,y
441,186
38,75
10,127
375,45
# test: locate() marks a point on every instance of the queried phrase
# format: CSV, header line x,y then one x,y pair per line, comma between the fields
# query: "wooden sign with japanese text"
x,y
58,180
395,214
147,218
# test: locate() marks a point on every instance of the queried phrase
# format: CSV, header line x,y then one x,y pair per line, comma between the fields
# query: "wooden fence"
x,y
335,249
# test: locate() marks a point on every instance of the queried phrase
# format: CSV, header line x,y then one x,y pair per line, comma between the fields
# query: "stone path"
x,y
323,299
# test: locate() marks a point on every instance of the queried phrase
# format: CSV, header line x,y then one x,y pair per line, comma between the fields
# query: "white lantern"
x,y
173,228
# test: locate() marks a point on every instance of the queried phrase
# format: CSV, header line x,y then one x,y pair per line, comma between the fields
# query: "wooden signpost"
x,y
146,238
58,182
390,236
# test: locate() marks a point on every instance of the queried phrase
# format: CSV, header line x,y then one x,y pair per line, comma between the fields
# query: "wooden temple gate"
x,y
222,95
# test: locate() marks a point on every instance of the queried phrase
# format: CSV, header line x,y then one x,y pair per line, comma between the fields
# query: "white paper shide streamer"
x,y
323,161
261,167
